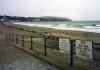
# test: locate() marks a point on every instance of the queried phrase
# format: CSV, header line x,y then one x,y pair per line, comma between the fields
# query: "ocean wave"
x,y
92,27
88,28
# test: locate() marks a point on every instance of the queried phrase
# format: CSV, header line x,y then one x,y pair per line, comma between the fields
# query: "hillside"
x,y
33,19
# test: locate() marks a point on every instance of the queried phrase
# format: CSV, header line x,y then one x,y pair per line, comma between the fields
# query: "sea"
x,y
86,26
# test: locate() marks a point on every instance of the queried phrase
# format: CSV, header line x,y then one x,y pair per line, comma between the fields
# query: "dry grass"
x,y
54,56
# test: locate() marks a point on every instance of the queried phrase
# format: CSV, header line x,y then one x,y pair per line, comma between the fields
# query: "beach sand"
x,y
53,57
91,36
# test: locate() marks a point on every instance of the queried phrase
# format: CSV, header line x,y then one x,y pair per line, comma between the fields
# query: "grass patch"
x,y
54,56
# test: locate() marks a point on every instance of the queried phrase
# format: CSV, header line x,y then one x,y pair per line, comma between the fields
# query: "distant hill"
x,y
32,19
50,18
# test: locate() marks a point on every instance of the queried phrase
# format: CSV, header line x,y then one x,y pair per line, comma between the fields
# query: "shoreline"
x,y
85,28
72,34
53,56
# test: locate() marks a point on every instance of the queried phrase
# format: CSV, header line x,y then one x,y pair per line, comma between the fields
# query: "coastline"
x,y
72,34
53,57
95,28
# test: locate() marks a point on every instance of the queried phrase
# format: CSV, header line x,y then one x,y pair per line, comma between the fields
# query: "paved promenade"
x,y
12,58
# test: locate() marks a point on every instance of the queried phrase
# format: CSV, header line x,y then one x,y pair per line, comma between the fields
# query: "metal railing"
x,y
44,43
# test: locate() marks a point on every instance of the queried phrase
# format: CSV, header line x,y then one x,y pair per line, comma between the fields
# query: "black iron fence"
x,y
48,46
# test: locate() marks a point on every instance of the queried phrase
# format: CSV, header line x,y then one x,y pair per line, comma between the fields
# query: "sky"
x,y
77,10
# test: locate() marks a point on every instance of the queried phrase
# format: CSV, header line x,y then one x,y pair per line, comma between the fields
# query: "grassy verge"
x,y
54,56
57,59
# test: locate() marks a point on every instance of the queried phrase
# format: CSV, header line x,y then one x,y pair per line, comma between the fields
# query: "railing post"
x,y
16,39
9,37
22,40
71,52
6,36
93,51
31,43
12,37
45,46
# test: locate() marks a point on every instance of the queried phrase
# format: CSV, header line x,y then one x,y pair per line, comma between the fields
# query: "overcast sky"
x,y
73,9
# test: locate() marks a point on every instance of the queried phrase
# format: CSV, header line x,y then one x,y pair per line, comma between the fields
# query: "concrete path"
x,y
12,58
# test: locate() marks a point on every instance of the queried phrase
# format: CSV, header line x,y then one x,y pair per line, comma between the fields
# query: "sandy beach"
x,y
91,36
54,56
